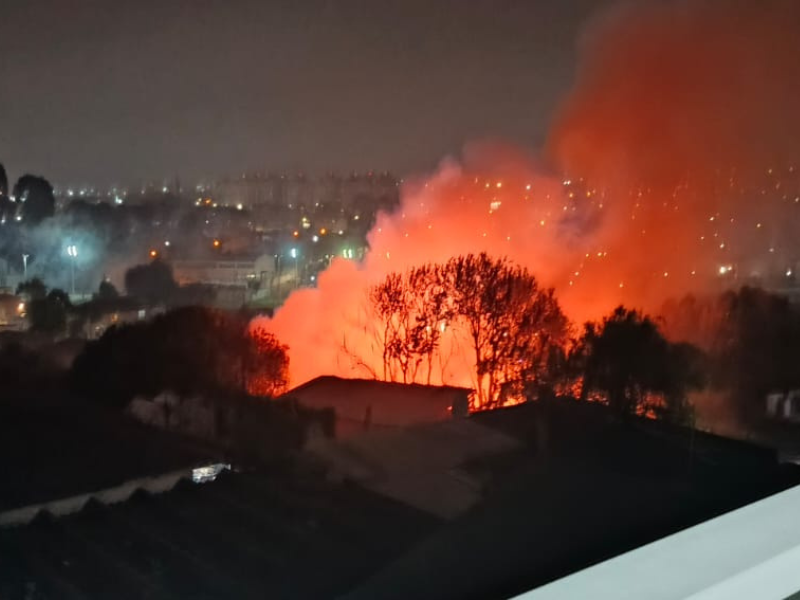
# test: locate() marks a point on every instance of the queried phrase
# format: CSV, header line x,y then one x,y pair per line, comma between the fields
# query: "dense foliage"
x,y
188,350
152,283
34,198
627,360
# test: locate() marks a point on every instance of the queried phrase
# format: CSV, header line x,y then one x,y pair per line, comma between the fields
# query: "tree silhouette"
x,y
7,207
107,291
152,282
635,368
188,350
266,364
413,309
514,326
516,329
34,196
34,289
3,181
49,314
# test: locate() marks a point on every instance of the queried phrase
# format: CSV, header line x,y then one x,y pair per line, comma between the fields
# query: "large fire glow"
x,y
670,168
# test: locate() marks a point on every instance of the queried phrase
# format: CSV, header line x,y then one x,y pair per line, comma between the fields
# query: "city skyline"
x,y
115,95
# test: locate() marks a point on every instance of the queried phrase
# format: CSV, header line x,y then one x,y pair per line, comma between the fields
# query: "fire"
x,y
607,249
660,182
335,332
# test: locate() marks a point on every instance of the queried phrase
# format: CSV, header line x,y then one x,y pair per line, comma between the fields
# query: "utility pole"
x,y
72,251
293,254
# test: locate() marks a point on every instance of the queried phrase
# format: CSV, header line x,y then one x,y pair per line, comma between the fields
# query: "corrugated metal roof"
x,y
246,535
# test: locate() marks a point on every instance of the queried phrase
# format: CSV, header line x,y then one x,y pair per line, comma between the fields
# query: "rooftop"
x,y
584,487
246,535
61,449
382,403
484,507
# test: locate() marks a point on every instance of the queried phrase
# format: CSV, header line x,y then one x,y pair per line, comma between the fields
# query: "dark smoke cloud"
x,y
672,89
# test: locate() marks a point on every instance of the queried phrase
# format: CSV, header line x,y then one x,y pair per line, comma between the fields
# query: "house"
x,y
362,404
235,280
226,271
239,424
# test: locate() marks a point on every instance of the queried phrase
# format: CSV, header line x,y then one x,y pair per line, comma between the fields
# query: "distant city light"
x,y
239,206
216,243
293,252
153,253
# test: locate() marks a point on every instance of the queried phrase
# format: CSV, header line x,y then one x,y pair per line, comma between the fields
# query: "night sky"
x,y
102,92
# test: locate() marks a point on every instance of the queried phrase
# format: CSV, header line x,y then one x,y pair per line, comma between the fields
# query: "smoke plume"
x,y
670,168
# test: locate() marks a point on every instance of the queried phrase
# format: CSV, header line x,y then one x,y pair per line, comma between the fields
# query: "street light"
x,y
72,251
293,254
